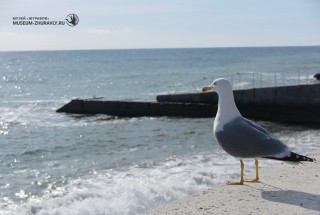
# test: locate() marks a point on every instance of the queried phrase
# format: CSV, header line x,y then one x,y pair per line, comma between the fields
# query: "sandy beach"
x,y
283,189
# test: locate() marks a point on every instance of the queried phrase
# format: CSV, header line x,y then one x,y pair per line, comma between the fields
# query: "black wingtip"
x,y
293,157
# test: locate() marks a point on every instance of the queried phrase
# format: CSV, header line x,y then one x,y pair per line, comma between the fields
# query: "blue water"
x,y
54,163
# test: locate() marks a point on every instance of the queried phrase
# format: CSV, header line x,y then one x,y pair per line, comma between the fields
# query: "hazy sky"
x,y
121,24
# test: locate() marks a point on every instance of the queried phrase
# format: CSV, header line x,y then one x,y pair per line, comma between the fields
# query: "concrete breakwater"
x,y
291,104
138,108
285,95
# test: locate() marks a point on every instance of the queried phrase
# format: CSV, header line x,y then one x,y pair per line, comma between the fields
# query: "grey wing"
x,y
256,126
245,139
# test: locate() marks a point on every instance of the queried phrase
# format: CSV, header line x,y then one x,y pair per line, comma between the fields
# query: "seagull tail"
x,y
292,157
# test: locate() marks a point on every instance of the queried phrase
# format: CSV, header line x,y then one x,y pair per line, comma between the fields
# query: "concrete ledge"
x,y
284,189
297,114
289,104
138,108
286,95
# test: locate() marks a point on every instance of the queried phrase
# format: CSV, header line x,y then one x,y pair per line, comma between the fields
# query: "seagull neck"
x,y
227,109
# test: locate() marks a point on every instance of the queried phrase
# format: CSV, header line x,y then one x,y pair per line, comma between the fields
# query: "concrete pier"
x,y
138,108
290,104
286,95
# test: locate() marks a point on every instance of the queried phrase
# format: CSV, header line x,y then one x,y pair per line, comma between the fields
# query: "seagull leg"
x,y
257,175
241,180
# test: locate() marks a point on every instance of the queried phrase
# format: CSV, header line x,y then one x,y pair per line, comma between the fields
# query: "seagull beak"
x,y
205,89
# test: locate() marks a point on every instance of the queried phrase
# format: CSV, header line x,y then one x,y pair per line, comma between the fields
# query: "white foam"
x,y
135,190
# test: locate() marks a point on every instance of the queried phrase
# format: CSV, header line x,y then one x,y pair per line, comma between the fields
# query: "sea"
x,y
56,163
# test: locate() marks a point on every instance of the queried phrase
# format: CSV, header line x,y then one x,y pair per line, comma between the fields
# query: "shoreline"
x,y
283,189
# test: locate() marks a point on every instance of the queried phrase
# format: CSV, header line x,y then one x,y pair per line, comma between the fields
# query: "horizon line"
x,y
217,47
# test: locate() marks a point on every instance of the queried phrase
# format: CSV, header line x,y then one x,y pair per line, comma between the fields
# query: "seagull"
x,y
243,138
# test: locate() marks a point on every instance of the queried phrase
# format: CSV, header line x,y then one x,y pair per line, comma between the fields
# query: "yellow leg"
x,y
241,180
257,175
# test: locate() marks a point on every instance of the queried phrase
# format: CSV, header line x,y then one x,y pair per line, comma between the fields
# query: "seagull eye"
x,y
215,83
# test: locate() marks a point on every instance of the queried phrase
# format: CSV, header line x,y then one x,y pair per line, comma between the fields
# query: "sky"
x,y
132,24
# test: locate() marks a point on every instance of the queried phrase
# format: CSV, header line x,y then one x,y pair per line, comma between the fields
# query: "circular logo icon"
x,y
72,19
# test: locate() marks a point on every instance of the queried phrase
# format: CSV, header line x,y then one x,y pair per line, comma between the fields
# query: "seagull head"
x,y
219,85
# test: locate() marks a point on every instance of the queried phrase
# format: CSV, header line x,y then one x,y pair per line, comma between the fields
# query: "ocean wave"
x,y
137,189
